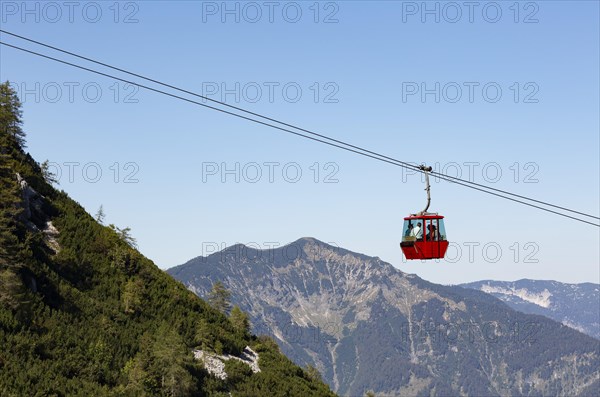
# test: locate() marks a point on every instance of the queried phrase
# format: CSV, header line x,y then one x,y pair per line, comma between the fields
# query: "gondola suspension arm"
x,y
426,171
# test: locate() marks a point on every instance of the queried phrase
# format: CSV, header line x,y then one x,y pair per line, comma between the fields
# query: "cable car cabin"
x,y
424,237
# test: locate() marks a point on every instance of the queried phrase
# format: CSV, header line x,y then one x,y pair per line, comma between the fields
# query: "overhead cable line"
x,y
406,164
358,150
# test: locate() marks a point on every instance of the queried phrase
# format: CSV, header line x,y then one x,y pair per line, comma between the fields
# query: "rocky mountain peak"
x,y
347,313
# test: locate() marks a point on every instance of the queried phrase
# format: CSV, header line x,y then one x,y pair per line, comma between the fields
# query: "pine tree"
x,y
132,296
240,320
100,215
49,176
203,337
10,117
170,357
12,290
124,234
11,138
220,298
10,209
313,373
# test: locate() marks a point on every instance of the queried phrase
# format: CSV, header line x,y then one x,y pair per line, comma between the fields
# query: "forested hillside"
x,y
83,313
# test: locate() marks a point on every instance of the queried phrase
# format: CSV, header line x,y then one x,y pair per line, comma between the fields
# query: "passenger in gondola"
x,y
409,229
418,232
431,233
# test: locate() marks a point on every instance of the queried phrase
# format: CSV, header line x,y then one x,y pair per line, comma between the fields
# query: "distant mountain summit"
x,y
368,326
574,305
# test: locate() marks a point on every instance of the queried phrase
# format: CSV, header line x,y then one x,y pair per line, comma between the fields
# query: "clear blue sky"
x,y
361,77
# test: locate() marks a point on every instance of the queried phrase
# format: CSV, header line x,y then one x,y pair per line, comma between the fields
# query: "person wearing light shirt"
x,y
417,231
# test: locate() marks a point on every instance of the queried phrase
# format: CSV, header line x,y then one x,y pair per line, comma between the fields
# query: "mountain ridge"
x,y
301,242
347,313
575,305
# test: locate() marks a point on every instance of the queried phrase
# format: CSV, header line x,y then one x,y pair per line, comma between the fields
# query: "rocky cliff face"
x,y
574,305
368,326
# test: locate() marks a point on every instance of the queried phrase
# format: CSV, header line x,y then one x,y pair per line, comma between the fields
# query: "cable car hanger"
x,y
426,171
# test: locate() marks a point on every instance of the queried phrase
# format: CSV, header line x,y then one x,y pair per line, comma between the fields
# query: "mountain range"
x,y
367,326
574,305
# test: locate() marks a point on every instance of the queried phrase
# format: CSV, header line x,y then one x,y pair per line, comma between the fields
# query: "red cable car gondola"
x,y
423,233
